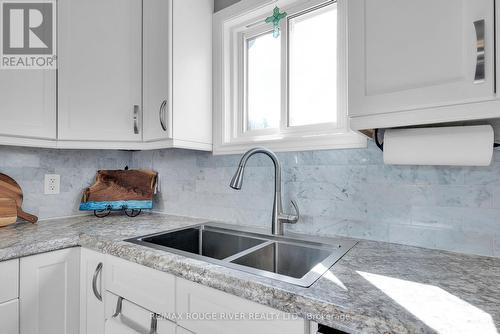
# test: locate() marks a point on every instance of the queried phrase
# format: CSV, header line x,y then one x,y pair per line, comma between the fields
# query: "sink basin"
x,y
293,260
204,241
284,259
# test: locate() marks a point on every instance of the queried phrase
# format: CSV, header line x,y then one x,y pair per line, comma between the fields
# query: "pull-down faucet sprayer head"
x,y
237,180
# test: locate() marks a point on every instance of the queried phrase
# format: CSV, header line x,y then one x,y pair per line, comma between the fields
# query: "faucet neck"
x,y
274,158
278,216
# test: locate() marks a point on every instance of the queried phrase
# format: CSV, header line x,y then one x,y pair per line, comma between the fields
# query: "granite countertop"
x,y
375,288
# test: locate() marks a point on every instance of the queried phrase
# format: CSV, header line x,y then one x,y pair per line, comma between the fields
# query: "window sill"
x,y
302,143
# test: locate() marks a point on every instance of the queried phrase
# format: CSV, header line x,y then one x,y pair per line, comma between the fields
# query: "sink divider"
x,y
247,251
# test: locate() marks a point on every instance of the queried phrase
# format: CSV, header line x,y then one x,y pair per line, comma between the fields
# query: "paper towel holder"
x,y
378,138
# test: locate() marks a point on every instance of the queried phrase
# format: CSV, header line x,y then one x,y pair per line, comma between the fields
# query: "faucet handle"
x,y
291,218
297,211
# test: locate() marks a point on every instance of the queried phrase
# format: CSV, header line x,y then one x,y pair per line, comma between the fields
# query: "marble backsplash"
x,y
77,168
340,192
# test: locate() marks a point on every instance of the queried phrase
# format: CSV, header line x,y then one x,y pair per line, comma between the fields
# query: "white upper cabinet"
x,y
157,61
192,78
99,81
132,74
28,103
407,55
177,73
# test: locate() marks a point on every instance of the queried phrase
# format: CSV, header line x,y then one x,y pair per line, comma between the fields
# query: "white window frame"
x,y
230,27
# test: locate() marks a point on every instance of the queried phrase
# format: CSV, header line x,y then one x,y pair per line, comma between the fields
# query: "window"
x,y
286,93
313,67
262,82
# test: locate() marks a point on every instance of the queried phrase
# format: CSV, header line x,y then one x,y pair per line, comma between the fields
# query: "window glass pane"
x,y
313,67
263,82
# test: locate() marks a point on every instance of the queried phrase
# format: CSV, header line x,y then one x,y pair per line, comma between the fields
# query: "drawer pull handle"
x,y
154,316
118,311
97,294
479,76
154,323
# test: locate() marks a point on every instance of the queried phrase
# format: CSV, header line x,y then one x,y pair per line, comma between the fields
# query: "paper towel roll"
x,y
451,146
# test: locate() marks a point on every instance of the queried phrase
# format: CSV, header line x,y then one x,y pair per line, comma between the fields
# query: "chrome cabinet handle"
x,y
480,51
162,114
118,310
97,294
136,119
154,324
154,317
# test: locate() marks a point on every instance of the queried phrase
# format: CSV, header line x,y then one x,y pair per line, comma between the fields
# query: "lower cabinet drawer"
x,y
134,316
9,278
151,289
9,317
209,311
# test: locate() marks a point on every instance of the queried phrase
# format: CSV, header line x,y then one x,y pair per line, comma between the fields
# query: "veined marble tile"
x,y
77,169
413,235
330,185
335,186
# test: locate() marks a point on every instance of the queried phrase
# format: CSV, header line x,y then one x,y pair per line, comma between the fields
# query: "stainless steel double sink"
x,y
293,260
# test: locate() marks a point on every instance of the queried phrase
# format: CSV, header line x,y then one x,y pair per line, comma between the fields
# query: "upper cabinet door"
x,y
157,60
406,54
192,77
99,80
28,103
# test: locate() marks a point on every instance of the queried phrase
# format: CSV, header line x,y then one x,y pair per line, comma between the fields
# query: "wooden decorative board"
x,y
120,190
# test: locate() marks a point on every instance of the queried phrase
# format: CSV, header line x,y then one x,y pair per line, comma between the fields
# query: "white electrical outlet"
x,y
52,184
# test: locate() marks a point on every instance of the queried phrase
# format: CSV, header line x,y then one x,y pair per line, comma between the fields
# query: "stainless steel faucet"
x,y
278,216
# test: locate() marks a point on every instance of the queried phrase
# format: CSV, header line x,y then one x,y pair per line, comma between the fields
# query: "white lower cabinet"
x,y
146,287
80,291
197,308
9,278
91,292
9,317
249,317
132,317
49,289
9,293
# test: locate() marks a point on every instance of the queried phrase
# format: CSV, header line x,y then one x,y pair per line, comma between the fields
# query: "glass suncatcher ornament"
x,y
275,20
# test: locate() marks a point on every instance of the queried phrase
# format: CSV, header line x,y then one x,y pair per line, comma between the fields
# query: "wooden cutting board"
x,y
10,189
8,211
